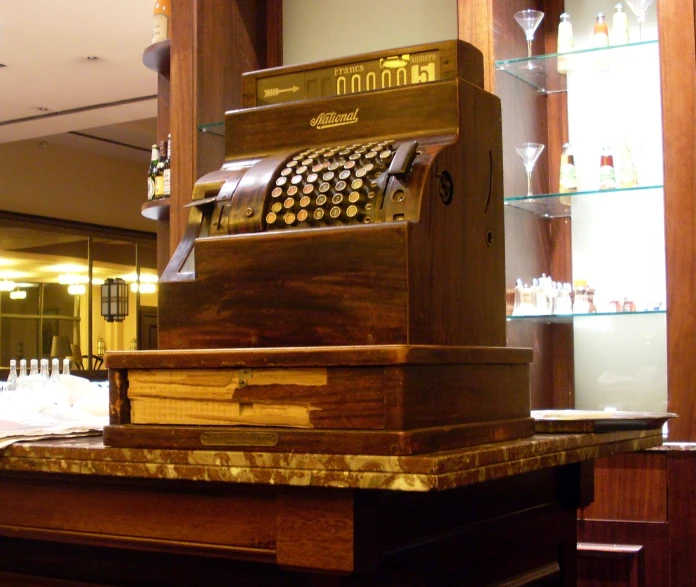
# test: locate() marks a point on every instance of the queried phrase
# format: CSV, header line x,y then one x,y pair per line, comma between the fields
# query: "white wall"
x,y
314,30
46,178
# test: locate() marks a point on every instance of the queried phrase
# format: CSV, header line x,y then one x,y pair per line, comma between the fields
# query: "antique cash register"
x,y
340,284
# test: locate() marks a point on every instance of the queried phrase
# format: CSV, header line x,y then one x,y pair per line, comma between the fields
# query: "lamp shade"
x,y
114,299
60,347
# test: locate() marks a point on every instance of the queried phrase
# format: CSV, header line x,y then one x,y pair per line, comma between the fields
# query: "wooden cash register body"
x,y
379,331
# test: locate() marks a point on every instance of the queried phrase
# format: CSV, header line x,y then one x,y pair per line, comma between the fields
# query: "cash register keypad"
x,y
329,186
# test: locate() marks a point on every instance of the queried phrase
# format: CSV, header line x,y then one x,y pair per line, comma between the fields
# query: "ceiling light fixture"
x,y
6,285
18,294
143,288
76,289
70,278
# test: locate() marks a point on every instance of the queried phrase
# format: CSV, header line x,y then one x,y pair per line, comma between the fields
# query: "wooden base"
x,y
391,400
363,442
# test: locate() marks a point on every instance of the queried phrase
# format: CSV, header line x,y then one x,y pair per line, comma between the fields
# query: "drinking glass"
x,y
639,8
529,153
529,21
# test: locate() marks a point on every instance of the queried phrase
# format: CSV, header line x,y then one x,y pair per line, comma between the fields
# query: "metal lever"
x,y
403,159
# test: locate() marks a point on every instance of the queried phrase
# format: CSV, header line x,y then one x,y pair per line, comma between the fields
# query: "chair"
x,y
77,357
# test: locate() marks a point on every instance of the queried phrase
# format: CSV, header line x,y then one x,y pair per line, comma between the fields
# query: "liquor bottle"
x,y
568,176
600,38
159,175
161,17
607,177
152,173
12,377
564,44
619,29
166,169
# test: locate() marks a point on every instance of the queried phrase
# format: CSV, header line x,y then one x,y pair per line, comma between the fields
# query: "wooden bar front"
x,y
77,513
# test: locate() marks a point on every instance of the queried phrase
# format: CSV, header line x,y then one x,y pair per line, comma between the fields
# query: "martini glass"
x,y
529,21
529,153
639,8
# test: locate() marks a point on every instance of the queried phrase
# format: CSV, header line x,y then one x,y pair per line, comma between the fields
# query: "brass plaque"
x,y
239,438
350,78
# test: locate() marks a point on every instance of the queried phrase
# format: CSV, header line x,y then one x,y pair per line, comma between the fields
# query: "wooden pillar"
x,y
677,64
213,43
475,26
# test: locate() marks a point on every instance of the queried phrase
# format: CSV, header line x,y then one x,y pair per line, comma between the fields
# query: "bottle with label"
x,y
166,169
12,377
568,176
600,39
607,177
152,173
619,29
161,20
565,44
159,173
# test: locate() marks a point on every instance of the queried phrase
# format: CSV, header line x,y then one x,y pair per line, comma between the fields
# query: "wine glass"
x,y
529,153
529,21
639,8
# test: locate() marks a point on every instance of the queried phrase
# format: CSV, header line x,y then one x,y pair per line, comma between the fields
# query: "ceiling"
x,y
48,86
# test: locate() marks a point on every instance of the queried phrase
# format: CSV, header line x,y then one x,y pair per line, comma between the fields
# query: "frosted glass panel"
x,y
619,247
618,239
621,362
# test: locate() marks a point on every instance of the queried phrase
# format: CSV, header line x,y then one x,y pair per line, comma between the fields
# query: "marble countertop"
x,y
677,447
434,471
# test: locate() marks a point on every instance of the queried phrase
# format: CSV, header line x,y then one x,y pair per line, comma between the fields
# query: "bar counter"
x,y
82,513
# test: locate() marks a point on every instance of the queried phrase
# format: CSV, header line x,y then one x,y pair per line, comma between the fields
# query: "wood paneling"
x,y
131,532
610,564
116,513
630,487
681,479
644,545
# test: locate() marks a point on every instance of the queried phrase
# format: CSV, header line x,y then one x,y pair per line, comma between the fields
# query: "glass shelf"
x,y
559,205
568,318
540,71
213,128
